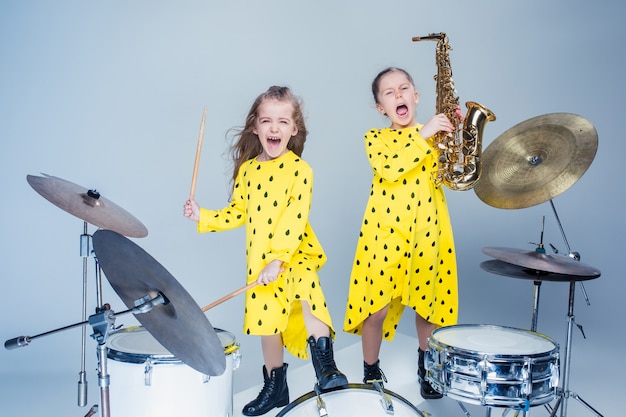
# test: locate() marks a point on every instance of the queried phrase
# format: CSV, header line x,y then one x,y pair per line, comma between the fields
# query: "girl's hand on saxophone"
x,y
435,124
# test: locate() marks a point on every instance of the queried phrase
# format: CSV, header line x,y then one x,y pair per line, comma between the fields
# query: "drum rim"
x,y
555,345
311,394
157,358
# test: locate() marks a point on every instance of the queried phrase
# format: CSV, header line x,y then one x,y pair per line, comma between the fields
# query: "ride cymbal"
x,y
538,261
87,205
506,269
178,324
536,160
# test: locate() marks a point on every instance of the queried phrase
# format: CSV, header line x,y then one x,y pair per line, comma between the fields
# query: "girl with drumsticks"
x,y
271,196
405,252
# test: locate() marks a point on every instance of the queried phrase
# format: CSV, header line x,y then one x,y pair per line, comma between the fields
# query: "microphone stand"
x,y
564,393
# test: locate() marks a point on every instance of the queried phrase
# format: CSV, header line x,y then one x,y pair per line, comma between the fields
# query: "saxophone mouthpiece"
x,y
429,37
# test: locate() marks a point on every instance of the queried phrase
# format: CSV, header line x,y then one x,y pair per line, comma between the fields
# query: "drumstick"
x,y
199,148
229,296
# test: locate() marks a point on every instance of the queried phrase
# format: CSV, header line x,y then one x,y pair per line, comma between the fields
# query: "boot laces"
x,y
374,373
326,358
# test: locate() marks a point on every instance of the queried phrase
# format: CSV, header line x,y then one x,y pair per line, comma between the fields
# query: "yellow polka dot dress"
x,y
405,252
272,199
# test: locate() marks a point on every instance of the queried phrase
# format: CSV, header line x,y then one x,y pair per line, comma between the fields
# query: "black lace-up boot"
x,y
373,373
426,390
275,393
328,376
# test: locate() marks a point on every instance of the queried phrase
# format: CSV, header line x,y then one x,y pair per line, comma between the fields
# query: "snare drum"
x,y
147,380
351,400
493,366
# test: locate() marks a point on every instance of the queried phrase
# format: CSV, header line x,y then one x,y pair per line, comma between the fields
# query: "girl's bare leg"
x,y
372,335
315,327
424,330
272,351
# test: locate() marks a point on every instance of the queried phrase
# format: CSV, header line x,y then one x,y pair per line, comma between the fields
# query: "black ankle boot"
x,y
426,390
328,376
372,373
275,393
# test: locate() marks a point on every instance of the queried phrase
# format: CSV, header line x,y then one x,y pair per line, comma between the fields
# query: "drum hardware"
x,y
321,405
93,410
90,206
385,399
563,268
102,323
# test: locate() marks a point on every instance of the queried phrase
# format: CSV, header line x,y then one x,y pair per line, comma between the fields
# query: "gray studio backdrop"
x,y
109,95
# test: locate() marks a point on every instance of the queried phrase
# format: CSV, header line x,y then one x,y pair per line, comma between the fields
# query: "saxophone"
x,y
460,151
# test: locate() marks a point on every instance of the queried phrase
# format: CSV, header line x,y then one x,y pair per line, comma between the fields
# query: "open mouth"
x,y
402,110
273,140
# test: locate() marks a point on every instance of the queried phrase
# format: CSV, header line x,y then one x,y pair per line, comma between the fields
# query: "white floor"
x,y
55,395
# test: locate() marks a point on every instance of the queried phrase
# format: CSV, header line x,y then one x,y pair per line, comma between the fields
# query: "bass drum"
x,y
493,366
147,380
351,400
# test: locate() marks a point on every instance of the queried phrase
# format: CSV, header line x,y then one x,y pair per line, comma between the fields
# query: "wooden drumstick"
x,y
229,296
199,148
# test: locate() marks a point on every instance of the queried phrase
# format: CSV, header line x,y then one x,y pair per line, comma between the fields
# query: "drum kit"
x,y
496,366
174,331
486,365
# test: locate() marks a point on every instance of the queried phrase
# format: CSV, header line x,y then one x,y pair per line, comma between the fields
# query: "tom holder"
x,y
102,323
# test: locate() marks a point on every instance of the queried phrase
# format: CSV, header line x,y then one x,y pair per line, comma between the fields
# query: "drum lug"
x,y
385,400
484,367
554,375
321,405
236,358
527,386
147,374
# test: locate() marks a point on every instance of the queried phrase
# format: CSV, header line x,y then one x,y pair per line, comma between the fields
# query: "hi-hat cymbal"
x,y
87,205
506,269
536,160
539,261
178,324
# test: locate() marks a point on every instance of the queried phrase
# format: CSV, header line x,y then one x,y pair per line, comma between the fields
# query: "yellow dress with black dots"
x,y
272,199
405,253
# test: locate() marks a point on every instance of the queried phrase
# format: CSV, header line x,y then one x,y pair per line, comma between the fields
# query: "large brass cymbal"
x,y
87,205
536,160
538,261
178,324
506,269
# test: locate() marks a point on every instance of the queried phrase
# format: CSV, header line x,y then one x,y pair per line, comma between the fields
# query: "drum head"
x,y
493,340
136,345
351,400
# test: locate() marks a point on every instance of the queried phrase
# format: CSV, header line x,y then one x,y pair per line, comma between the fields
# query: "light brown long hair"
x,y
247,144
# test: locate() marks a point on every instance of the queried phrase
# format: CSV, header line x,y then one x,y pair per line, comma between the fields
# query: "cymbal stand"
x,y
564,392
82,375
537,283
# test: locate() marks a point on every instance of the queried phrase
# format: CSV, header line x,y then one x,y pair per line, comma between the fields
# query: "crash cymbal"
x,y
536,160
543,262
87,205
178,324
506,269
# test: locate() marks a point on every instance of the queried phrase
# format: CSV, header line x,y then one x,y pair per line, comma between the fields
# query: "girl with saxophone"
x,y
405,254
